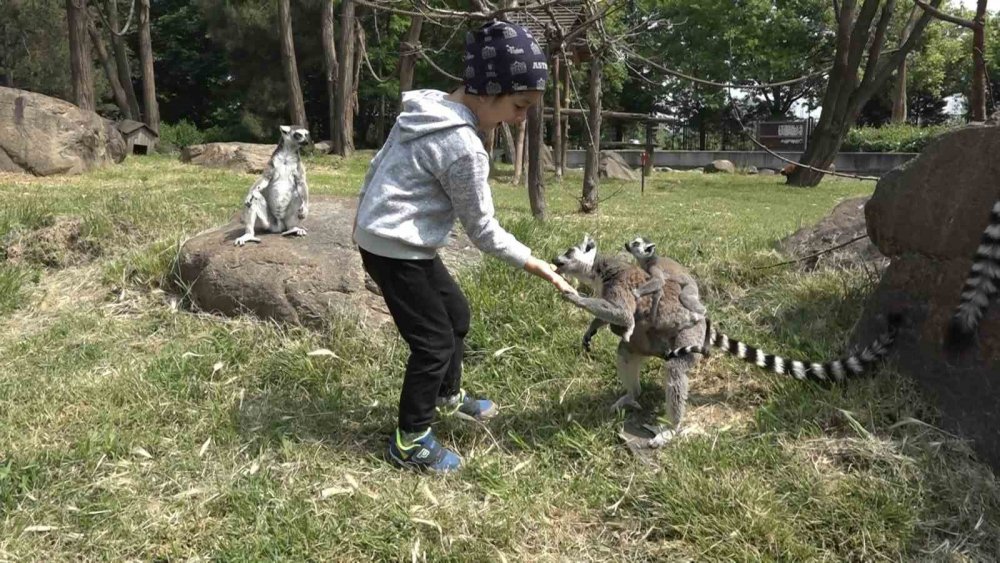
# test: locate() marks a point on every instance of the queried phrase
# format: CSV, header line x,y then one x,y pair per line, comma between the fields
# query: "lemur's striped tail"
x,y
980,287
834,371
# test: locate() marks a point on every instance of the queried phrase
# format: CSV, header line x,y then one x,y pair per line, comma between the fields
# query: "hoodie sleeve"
x,y
465,182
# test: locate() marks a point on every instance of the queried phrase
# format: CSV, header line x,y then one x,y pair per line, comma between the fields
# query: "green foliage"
x,y
181,134
891,138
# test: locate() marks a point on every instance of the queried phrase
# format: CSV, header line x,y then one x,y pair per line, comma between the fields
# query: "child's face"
x,y
507,109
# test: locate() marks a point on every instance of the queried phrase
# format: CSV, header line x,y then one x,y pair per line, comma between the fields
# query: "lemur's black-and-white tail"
x,y
833,371
980,287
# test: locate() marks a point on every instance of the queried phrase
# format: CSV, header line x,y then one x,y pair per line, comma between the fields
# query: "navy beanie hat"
x,y
503,58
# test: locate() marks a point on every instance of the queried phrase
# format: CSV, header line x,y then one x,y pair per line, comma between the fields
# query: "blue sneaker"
x,y
466,407
424,454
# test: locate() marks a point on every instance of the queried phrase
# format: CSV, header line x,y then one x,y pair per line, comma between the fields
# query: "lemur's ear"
x,y
286,129
588,243
651,247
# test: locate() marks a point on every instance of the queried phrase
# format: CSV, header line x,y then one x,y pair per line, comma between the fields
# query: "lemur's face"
x,y
578,261
640,248
296,135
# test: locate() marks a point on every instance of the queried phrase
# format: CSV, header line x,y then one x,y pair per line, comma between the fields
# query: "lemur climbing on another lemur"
x,y
279,200
678,333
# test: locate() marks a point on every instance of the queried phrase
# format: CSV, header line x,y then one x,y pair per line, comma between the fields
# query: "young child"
x,y
432,168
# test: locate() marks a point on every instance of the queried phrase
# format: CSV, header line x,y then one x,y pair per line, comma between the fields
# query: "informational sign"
x,y
784,135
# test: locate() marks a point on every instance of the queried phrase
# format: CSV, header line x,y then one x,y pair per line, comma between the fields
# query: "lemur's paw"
x,y
295,232
245,239
626,401
662,435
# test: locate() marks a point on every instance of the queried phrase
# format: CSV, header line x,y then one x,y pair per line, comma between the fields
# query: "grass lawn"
x,y
131,428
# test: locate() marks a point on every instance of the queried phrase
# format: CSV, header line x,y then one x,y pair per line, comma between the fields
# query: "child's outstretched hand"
x,y
548,273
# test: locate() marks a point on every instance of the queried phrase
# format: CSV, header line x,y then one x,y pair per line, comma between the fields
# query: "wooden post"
x,y
557,150
650,147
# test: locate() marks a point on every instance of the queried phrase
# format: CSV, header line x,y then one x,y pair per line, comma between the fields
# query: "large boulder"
x,y
42,135
844,224
303,280
928,216
242,157
613,166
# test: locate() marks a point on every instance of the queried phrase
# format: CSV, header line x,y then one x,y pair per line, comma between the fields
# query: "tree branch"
x,y
946,17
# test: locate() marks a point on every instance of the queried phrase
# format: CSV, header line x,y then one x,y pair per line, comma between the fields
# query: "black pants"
x,y
432,316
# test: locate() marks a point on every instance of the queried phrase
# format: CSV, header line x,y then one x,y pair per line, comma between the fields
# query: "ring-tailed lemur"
x,y
980,287
661,268
678,334
279,200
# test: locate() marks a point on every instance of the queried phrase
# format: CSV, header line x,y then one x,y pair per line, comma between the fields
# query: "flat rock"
x,y
241,157
295,280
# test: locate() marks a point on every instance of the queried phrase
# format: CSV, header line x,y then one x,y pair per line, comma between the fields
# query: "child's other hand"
x,y
545,271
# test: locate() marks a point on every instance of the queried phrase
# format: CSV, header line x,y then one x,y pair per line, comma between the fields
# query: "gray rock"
x,y
846,222
241,157
612,165
302,280
720,166
752,170
42,135
767,172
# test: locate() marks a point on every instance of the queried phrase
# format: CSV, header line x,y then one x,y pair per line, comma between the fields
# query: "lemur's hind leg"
x,y
676,384
255,217
606,311
629,366
292,221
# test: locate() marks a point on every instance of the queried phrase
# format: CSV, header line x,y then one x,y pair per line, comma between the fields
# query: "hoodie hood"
x,y
427,111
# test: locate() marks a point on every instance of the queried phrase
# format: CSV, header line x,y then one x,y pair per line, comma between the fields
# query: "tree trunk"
x,y
330,66
565,122
121,61
977,98
81,65
518,153
899,109
536,176
359,53
847,89
296,106
489,142
508,141
152,112
343,137
121,100
591,174
408,55
556,118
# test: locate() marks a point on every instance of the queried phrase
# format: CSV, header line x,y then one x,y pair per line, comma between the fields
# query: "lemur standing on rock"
x,y
679,334
279,200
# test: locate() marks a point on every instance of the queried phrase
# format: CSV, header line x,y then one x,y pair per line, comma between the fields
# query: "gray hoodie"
x,y
432,168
